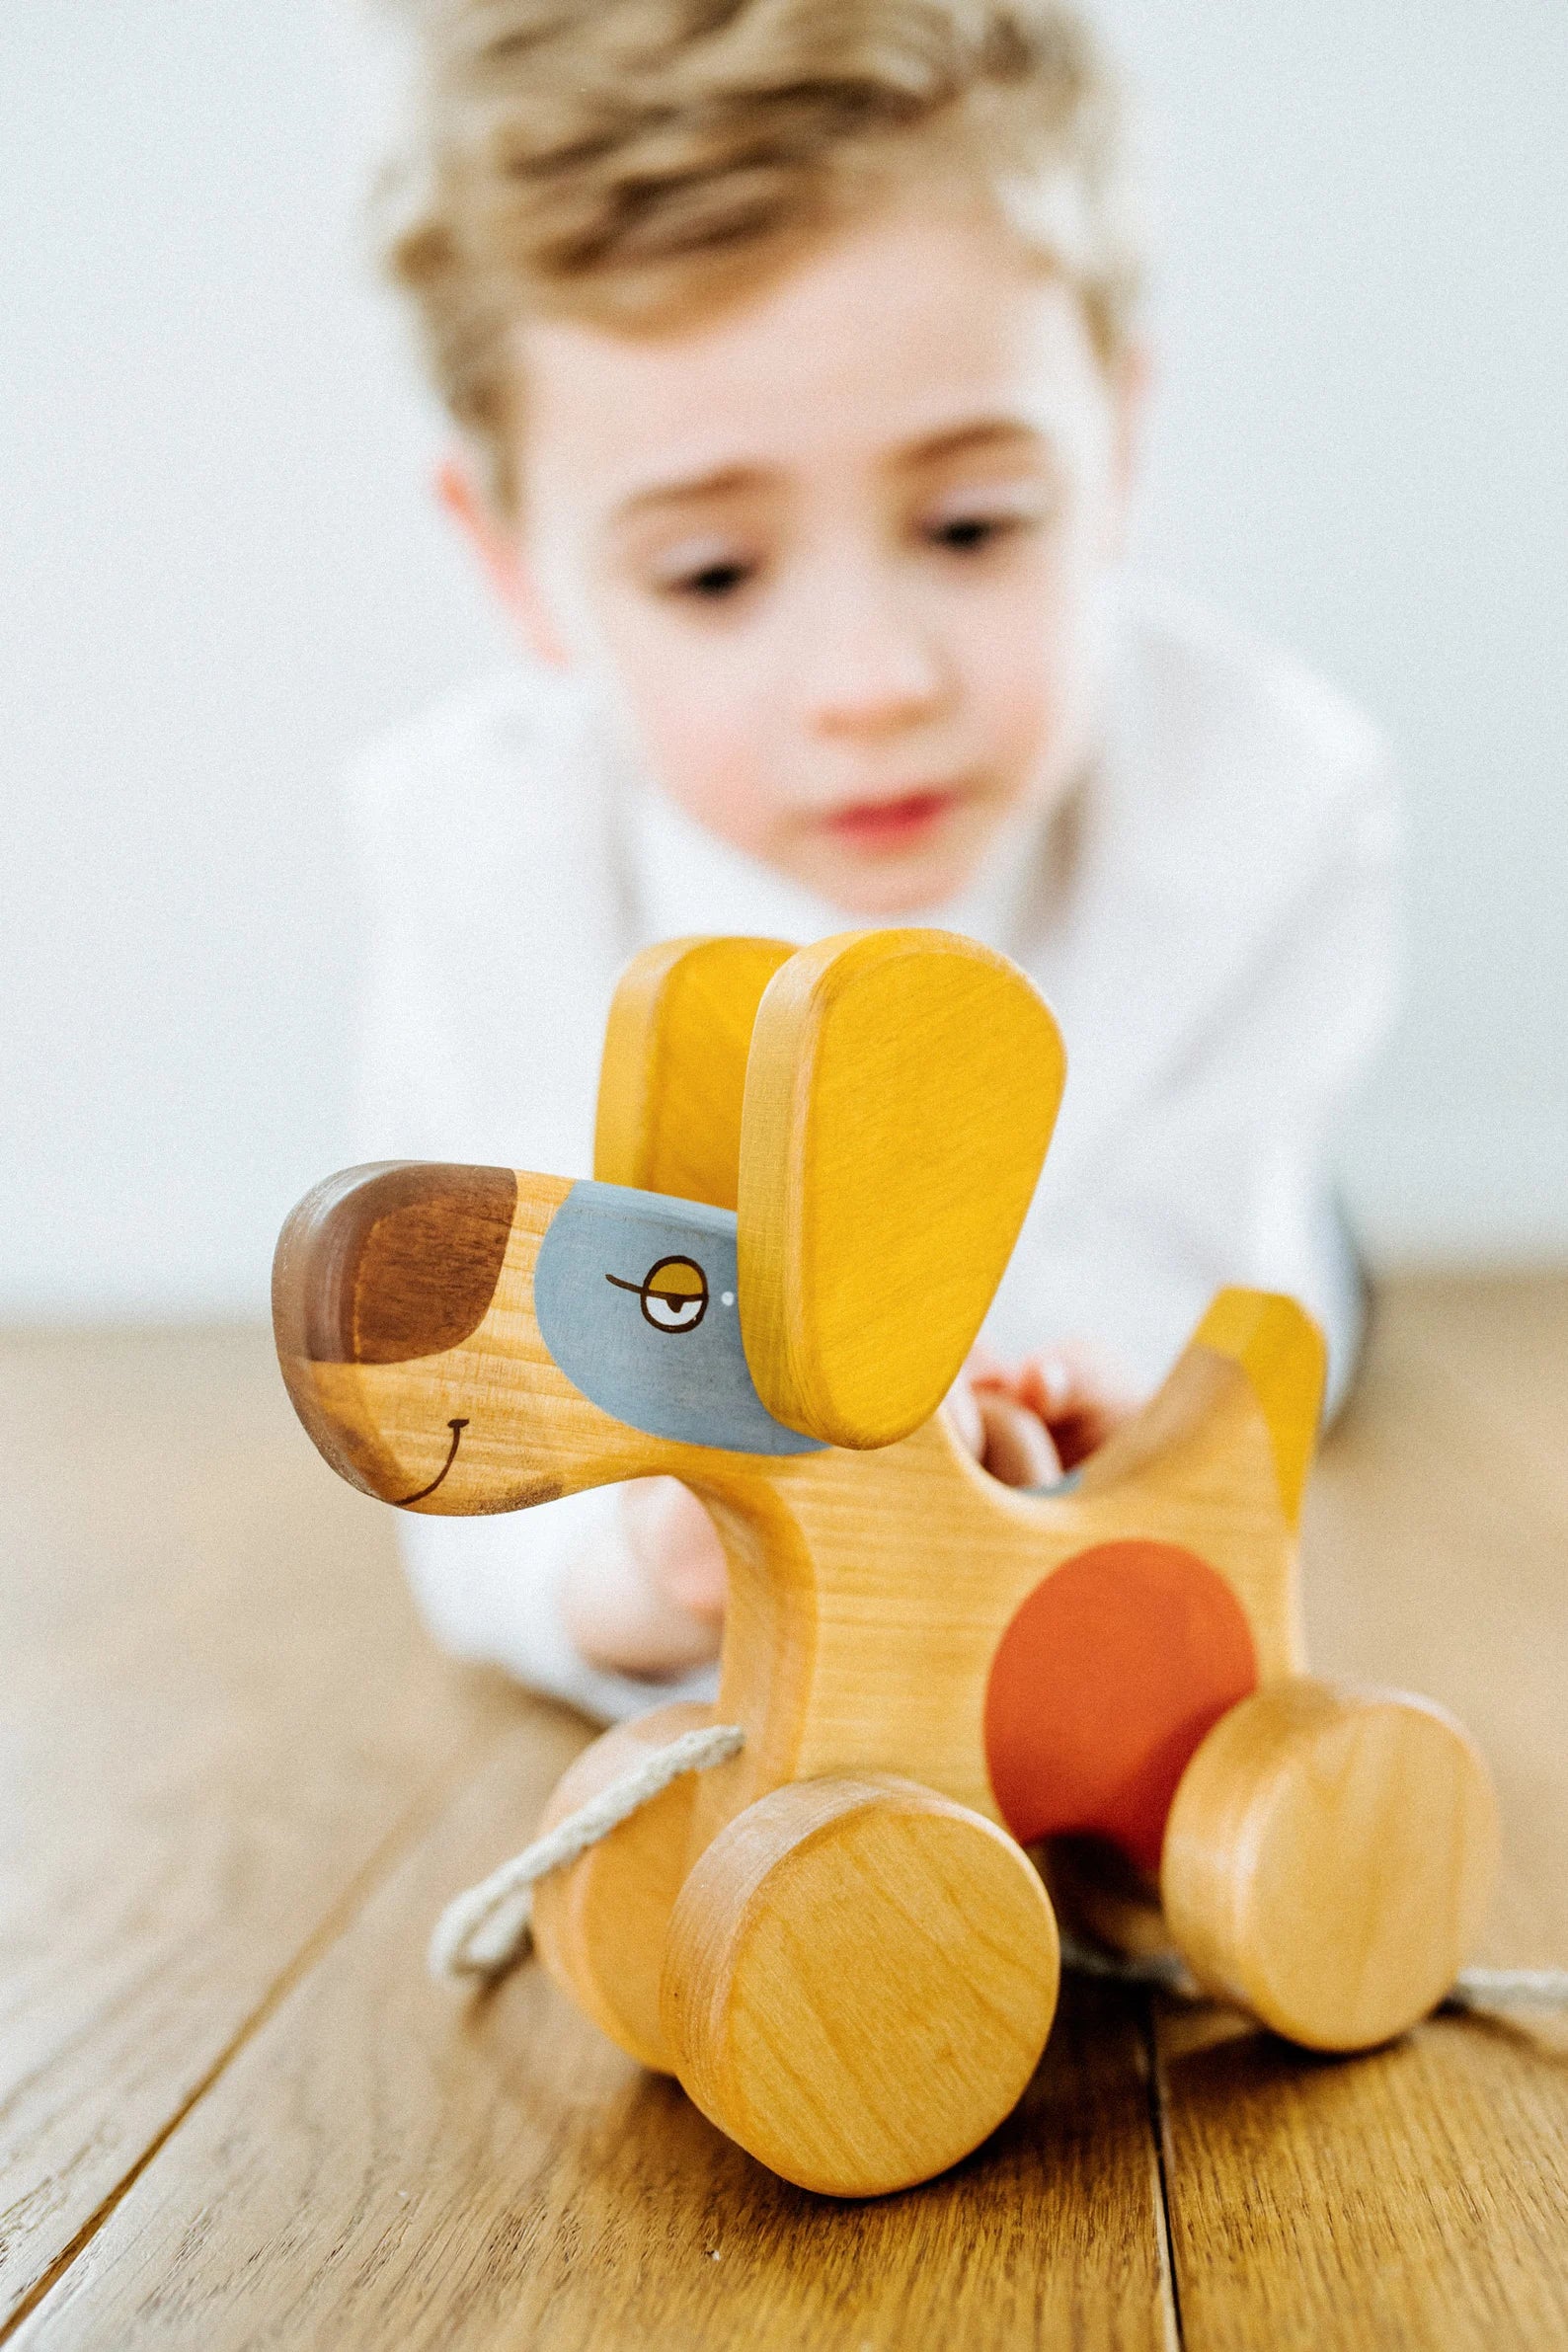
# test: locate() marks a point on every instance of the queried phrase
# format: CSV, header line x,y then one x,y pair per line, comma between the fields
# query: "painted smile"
x,y
457,1426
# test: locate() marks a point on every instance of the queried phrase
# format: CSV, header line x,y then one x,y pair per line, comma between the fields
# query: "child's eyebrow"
x,y
723,481
963,441
729,481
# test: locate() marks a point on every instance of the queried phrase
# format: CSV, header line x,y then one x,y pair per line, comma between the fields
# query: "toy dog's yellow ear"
x,y
674,1073
901,1091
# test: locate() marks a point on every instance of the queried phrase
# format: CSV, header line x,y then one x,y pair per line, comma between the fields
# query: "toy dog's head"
x,y
810,1170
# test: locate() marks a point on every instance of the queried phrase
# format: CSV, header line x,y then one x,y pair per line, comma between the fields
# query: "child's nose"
x,y
872,668
384,1262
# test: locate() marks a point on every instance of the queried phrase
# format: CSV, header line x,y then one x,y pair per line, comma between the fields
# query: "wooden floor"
x,y
236,1785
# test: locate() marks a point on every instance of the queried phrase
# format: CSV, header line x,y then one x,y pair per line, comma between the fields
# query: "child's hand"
x,y
650,1601
1029,1424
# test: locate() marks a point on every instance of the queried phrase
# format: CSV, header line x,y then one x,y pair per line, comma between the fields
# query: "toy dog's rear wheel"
x,y
599,1925
1328,1857
859,1979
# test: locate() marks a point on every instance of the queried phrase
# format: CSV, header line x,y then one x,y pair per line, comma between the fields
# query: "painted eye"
x,y
673,1293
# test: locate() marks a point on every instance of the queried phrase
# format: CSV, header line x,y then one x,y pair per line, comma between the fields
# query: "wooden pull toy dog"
x,y
810,1170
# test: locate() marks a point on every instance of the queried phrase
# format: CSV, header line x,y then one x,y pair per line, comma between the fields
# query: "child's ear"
x,y
674,1073
902,1092
499,547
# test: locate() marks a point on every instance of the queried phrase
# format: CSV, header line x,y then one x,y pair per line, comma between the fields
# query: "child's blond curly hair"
x,y
630,161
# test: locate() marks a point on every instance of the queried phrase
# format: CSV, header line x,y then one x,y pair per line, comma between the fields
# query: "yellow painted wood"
x,y
1329,1859
858,1982
899,1097
1281,1353
674,1074
868,1589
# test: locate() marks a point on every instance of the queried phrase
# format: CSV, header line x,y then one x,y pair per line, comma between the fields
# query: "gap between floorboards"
x,y
340,1916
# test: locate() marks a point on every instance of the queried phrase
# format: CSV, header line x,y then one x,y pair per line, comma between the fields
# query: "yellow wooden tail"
x,y
1280,1351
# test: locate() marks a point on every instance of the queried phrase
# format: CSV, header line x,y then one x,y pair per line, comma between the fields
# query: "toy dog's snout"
x,y
383,1263
380,1266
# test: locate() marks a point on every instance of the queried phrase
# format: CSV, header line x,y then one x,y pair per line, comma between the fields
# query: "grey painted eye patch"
x,y
636,1299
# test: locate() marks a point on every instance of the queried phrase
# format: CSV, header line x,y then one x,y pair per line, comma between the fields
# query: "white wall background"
x,y
220,569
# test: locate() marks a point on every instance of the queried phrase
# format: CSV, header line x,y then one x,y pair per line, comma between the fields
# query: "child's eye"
x,y
705,570
968,533
714,582
971,522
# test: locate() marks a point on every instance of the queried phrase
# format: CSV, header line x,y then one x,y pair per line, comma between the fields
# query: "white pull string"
x,y
1509,1989
486,1930
1472,1987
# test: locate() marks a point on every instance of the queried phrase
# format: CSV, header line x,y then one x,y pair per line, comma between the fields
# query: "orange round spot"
x,y
1102,1687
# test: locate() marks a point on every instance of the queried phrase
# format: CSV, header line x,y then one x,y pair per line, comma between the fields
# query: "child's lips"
x,y
901,822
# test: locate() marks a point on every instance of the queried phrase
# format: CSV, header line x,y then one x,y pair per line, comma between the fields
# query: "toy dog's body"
x,y
828,1937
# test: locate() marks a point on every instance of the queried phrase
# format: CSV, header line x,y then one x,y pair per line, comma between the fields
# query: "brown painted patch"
x,y
1103,1684
385,1263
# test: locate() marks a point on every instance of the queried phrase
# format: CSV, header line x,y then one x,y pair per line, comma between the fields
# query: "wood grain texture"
x,y
1414,2196
904,1616
899,1097
858,1981
1434,1542
383,2167
402,1259
217,1716
1329,1859
362,2165
1280,1350
600,1927
869,1592
874,1596
672,1079
379,1265
1417,2196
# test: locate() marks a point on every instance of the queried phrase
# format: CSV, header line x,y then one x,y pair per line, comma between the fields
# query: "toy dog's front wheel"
x,y
858,1981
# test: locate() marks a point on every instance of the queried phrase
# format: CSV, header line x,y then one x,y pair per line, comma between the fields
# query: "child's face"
x,y
838,555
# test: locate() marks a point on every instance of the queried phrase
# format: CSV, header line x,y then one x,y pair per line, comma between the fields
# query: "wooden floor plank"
x,y
1435,1560
382,2167
1414,2198
215,1712
226,1743
1417,2196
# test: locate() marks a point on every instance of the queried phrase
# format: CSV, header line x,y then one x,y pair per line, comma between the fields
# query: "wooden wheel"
x,y
859,1979
599,1925
1328,1860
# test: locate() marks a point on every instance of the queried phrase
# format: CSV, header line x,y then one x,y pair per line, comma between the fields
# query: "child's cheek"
x,y
1019,665
698,733
1047,680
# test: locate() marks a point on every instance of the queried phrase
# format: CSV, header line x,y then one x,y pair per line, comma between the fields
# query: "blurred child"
x,y
793,349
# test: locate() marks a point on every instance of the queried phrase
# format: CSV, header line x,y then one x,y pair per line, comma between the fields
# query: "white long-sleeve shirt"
x,y
1210,918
